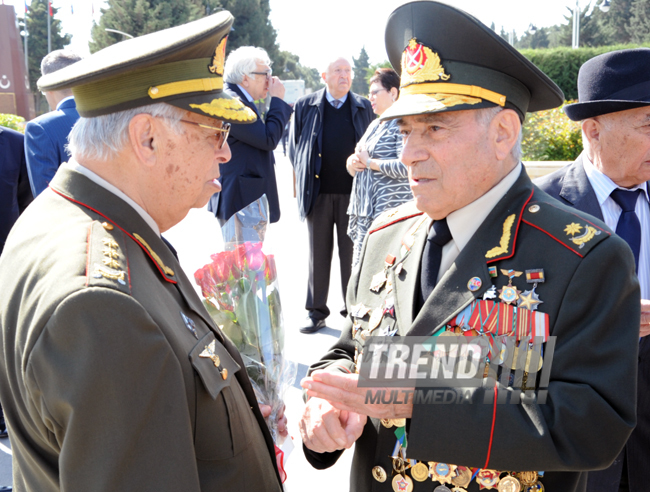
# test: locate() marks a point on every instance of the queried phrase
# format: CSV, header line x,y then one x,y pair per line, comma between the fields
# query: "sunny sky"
x,y
318,31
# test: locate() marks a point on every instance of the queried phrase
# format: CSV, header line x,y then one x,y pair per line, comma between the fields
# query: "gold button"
x,y
107,226
224,373
379,474
154,90
533,209
317,176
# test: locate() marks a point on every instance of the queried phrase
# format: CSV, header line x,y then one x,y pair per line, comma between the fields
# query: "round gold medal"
x,y
463,477
402,483
509,484
420,472
399,422
527,478
388,423
379,474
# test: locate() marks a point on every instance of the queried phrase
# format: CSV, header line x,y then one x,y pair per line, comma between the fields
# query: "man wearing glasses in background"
x,y
251,171
112,374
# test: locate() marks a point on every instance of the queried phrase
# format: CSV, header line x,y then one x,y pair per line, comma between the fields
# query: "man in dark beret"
x,y
112,374
609,180
485,254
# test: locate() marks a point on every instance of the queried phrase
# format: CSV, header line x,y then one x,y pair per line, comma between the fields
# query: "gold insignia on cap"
x,y
219,57
505,239
231,109
421,64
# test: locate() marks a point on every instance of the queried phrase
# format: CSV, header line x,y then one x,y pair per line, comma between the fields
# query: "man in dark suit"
x,y
480,253
325,129
15,194
112,374
614,169
251,171
47,135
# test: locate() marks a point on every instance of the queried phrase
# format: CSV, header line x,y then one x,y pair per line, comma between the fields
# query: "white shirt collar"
x,y
602,184
248,96
331,98
464,222
75,166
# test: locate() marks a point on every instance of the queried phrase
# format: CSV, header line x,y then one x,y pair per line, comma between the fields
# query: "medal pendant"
x,y
375,318
442,472
442,488
388,423
420,472
529,300
463,477
487,479
509,484
508,294
364,335
398,422
528,478
378,281
402,483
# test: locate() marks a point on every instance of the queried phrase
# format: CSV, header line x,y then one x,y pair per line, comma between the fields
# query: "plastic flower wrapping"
x,y
240,291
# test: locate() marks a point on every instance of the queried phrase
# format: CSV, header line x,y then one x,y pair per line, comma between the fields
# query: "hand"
x,y
281,418
276,88
645,317
363,156
353,165
343,392
325,429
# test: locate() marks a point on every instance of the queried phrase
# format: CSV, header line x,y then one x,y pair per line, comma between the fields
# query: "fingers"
x,y
265,409
353,425
320,427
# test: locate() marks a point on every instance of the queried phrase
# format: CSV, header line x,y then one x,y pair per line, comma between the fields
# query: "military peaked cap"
x,y
450,61
181,66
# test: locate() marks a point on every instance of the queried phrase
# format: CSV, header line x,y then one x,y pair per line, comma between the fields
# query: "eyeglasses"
x,y
374,93
266,74
222,133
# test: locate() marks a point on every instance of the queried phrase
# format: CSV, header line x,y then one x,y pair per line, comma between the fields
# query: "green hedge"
x,y
12,121
562,64
551,136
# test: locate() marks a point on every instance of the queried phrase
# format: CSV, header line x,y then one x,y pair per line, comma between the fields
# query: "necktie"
x,y
336,103
439,235
628,227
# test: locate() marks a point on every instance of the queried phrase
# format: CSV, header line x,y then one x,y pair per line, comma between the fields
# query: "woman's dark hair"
x,y
387,77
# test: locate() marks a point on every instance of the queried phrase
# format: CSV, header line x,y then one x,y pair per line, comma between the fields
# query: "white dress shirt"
x,y
603,187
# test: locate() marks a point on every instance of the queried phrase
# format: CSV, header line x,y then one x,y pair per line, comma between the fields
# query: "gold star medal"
x,y
509,293
529,299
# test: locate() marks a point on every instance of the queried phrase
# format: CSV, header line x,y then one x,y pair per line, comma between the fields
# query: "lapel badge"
x,y
493,272
509,293
389,307
189,324
209,353
529,299
359,310
491,293
474,284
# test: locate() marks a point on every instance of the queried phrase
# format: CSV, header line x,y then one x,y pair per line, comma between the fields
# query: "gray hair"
x,y
103,137
486,115
58,59
242,62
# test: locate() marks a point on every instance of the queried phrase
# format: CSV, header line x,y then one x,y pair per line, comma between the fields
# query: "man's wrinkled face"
x,y
622,147
338,77
258,83
450,160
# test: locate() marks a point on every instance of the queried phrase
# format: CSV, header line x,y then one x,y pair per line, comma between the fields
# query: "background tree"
x,y
361,66
252,26
615,22
138,17
288,67
591,27
37,43
638,27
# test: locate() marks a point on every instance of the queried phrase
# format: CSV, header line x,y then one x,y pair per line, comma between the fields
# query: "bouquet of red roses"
x,y
240,290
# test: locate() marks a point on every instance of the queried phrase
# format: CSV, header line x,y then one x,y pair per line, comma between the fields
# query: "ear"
x,y
507,126
591,129
244,82
143,138
394,93
324,76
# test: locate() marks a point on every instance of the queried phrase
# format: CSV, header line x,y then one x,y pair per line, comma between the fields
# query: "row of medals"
x,y
458,477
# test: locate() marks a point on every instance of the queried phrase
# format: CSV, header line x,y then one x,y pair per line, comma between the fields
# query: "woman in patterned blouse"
x,y
380,179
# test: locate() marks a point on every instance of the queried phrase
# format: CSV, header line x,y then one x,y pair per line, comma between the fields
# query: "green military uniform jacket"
x,y
592,299
102,380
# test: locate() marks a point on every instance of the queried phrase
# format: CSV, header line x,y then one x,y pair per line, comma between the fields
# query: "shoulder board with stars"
x,y
567,226
395,215
107,265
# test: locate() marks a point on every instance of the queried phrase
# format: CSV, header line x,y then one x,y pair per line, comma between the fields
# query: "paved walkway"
x,y
198,236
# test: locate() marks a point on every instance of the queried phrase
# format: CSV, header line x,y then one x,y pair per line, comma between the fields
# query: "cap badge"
x,y
219,56
420,64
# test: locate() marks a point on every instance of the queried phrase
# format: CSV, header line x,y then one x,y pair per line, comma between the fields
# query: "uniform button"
x,y
107,226
379,474
533,209
317,177
318,155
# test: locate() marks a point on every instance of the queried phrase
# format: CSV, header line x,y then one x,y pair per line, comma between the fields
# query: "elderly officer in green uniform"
x,y
112,375
483,252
